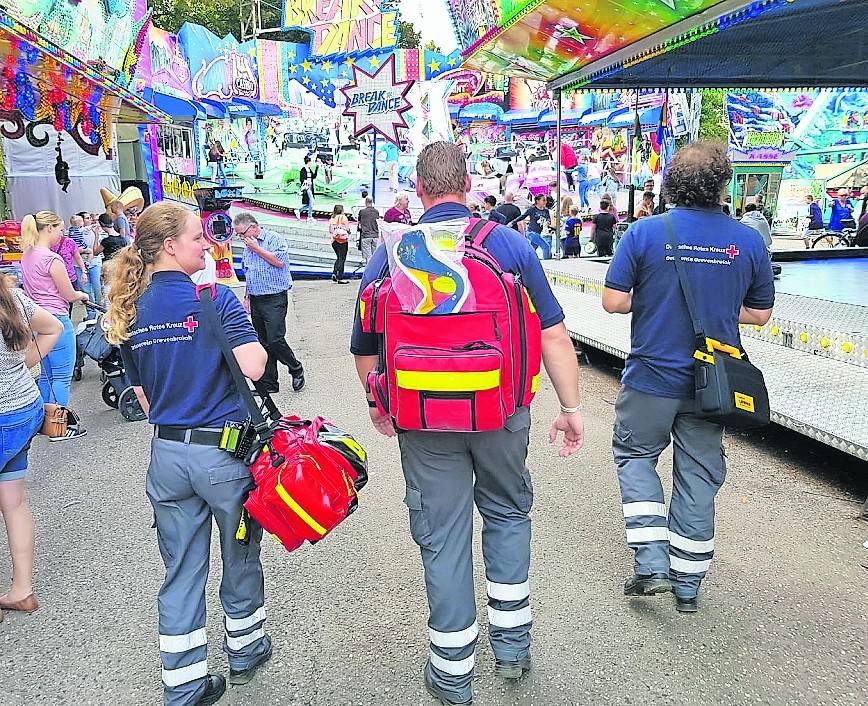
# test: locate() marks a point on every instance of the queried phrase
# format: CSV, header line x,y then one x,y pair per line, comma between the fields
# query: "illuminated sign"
x,y
226,76
342,26
773,138
378,101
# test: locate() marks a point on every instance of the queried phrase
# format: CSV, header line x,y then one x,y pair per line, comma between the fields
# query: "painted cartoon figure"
x,y
444,288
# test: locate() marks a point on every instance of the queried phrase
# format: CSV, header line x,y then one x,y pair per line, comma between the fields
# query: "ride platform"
x,y
813,352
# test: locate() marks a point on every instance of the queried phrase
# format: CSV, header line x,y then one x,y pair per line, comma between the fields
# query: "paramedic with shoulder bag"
x,y
175,365
729,280
446,377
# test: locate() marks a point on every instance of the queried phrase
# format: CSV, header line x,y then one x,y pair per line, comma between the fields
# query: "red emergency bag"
x,y
466,371
307,479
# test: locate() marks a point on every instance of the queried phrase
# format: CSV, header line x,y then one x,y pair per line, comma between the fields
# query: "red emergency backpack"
x,y
465,371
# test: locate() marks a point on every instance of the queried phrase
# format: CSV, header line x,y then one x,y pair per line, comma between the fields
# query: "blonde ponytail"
x,y
128,278
129,271
31,225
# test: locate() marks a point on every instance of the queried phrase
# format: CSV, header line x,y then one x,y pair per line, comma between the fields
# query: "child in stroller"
x,y
116,390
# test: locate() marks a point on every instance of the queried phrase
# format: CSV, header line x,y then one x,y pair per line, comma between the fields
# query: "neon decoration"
x,y
377,101
342,26
226,76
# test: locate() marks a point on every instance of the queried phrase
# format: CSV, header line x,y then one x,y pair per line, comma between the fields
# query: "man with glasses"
x,y
266,269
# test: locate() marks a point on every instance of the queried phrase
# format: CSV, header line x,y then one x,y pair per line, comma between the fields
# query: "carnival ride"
x,y
814,350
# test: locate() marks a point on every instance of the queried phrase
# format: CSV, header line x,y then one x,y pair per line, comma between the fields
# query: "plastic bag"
x,y
425,264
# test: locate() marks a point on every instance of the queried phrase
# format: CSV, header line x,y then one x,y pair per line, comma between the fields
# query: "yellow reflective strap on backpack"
x,y
448,381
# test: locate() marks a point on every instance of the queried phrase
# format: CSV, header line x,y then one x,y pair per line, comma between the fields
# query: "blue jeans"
x,y
94,287
57,366
309,205
17,428
537,241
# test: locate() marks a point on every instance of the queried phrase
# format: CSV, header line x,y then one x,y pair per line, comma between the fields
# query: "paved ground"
x,y
783,619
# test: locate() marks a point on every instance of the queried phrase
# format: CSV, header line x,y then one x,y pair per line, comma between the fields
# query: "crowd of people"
x,y
152,296
59,267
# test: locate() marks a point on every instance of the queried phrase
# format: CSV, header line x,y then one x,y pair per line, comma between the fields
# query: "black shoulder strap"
x,y
685,283
206,293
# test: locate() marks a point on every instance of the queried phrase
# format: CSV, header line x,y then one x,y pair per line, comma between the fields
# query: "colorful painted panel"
x,y
92,30
163,66
472,19
342,26
221,69
552,37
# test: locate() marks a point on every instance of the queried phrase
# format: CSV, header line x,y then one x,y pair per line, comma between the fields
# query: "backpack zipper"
x,y
522,337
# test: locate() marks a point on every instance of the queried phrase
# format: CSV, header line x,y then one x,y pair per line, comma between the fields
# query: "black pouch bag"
x,y
729,388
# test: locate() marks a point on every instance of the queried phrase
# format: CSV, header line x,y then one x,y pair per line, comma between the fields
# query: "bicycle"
x,y
830,239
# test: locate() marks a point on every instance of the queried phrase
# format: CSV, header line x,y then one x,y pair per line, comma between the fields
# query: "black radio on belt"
x,y
238,438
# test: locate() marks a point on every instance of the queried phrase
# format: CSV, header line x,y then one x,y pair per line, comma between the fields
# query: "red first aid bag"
x,y
465,371
306,479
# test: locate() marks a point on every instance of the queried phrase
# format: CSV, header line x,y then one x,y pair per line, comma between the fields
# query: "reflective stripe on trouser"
x,y
439,469
186,486
682,543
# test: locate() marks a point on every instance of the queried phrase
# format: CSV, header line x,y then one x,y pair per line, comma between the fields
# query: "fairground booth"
x,y
814,350
65,84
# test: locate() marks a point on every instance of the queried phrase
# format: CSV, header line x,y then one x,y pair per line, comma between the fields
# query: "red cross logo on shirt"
x,y
732,251
191,324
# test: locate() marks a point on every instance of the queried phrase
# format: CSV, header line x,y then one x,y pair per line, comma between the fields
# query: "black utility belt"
x,y
236,438
201,437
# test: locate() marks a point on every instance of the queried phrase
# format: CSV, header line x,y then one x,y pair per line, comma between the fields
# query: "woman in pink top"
x,y
400,212
47,283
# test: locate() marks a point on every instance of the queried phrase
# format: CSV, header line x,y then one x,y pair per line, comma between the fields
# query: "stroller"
x,y
90,342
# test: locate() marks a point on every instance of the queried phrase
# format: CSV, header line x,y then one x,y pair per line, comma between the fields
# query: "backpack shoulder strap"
x,y
478,231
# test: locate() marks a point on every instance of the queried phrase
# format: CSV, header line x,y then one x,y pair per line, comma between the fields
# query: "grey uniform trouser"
x,y
445,474
187,484
680,543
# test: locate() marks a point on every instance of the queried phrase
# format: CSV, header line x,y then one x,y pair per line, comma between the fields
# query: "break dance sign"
x,y
377,102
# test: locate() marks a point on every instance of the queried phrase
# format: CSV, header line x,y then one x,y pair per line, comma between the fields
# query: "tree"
x,y
219,16
408,37
713,120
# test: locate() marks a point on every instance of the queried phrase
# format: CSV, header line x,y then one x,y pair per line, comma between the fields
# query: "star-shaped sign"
x,y
349,61
378,101
326,65
306,65
374,61
324,82
452,61
293,68
306,81
434,66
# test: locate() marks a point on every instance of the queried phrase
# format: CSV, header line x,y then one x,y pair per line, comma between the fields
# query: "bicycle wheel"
x,y
828,241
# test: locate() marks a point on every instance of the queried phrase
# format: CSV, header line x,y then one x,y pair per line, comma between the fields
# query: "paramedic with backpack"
x,y
176,367
446,473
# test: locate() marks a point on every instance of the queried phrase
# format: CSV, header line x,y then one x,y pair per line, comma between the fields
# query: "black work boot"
x,y
214,691
686,605
647,585
512,671
237,677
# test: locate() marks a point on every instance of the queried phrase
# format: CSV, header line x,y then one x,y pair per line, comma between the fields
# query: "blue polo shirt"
x,y
172,355
513,253
727,265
